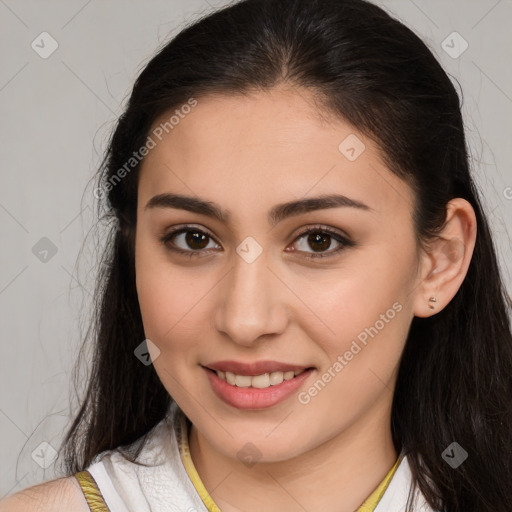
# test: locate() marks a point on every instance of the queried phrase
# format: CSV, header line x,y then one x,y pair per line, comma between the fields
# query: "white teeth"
x,y
257,381
276,378
243,381
260,381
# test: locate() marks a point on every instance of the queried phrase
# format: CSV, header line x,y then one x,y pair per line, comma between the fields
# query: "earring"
x,y
432,299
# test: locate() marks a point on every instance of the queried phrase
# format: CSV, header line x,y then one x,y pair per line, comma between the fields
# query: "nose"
x,y
250,305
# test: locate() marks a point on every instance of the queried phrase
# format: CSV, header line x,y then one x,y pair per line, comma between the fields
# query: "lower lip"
x,y
254,398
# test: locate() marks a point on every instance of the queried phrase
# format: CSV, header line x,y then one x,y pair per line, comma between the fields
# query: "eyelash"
x,y
345,242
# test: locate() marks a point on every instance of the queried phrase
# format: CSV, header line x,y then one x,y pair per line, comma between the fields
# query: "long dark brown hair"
x,y
455,376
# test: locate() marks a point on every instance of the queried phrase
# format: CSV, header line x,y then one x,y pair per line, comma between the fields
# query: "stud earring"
x,y
432,299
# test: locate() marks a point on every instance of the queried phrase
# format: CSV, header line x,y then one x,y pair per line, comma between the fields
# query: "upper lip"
x,y
255,368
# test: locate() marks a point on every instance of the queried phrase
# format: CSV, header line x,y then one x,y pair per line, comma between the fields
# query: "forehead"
x,y
266,147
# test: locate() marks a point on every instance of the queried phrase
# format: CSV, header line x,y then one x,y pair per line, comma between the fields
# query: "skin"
x,y
247,154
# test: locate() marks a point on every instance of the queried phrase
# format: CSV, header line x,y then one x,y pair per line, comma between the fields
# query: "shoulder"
x,y
59,495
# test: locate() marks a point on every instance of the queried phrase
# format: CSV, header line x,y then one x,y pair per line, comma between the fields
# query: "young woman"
x,y
301,306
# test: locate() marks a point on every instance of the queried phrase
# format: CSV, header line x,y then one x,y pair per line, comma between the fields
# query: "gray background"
x,y
56,114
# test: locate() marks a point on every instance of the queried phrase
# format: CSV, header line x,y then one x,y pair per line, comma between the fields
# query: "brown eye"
x,y
196,239
188,240
320,240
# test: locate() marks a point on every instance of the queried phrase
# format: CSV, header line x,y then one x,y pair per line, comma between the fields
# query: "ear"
x,y
446,260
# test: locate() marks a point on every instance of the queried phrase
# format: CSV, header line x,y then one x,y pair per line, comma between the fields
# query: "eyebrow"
x,y
278,213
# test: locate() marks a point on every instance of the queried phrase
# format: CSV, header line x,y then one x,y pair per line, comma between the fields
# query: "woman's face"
x,y
243,292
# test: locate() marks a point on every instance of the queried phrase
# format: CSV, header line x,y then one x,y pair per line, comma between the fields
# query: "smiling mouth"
x,y
262,381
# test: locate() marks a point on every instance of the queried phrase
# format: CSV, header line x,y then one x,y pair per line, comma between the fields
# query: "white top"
x,y
165,486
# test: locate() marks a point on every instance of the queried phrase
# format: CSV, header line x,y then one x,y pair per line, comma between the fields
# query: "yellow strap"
x,y
373,500
91,492
182,437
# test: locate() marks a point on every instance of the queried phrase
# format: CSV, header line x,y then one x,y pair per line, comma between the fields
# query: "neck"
x,y
338,475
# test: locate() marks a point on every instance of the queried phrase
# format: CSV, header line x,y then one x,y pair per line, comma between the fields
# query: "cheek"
x,y
365,309
170,300
169,304
369,315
